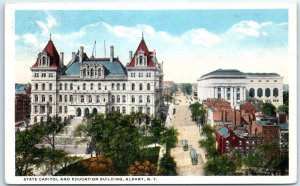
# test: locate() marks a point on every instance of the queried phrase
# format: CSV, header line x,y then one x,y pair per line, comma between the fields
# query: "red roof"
x,y
52,53
142,46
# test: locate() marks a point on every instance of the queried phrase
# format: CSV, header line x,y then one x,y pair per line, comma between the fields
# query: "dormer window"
x,y
141,60
44,60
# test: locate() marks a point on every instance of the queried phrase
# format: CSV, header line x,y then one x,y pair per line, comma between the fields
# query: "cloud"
x,y
201,37
30,39
46,26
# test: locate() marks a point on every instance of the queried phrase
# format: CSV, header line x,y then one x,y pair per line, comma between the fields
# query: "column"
x,y
234,96
215,92
222,92
245,91
231,96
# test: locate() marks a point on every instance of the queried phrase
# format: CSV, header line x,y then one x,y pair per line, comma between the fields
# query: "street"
x,y
188,130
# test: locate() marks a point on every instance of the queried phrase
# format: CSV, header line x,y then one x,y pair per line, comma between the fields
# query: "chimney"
x,y
61,60
81,54
130,56
73,56
111,54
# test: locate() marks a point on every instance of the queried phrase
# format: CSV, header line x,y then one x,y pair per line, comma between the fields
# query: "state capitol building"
x,y
89,85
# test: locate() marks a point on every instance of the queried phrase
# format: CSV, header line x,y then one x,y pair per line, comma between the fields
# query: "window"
x,y
132,86
133,99
148,110
44,61
148,86
259,92
43,86
132,109
267,80
118,86
113,86
43,75
251,81
124,110
36,98
99,72
66,86
141,74
36,86
238,93
219,92
50,86
84,72
60,98
90,99
36,74
124,86
97,98
228,93
66,109
118,98
240,143
275,92
50,74
259,80
148,99
60,109
99,86
92,72
140,99
60,86
252,92
50,109
118,109
141,86
105,87
66,98
141,60
35,109
267,92
84,86
71,98
112,108
50,98
92,86
132,74
82,99
43,98
140,109
227,143
123,98
112,98
71,86
274,80
43,109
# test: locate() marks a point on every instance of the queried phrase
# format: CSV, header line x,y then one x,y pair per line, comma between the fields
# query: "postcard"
x,y
150,93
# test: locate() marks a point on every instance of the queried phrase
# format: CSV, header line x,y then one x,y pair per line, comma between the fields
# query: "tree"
x,y
286,97
142,169
168,98
219,166
167,166
268,109
283,109
252,162
98,166
169,138
187,88
156,129
208,142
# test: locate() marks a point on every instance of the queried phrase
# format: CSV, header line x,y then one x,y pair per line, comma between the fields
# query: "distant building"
x,y
22,103
237,87
284,135
169,87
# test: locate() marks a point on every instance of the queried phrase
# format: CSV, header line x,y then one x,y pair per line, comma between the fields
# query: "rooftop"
x,y
236,73
223,131
20,88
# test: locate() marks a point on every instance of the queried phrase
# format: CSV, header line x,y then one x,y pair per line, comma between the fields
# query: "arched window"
x,y
148,86
112,108
140,99
50,86
148,110
92,72
118,98
71,98
66,98
133,99
113,98
50,98
141,60
113,86
95,111
132,86
36,98
267,92
92,86
123,98
60,86
60,98
60,109
86,111
71,86
84,72
99,86
259,92
43,98
148,99
275,92
78,112
84,86
118,109
66,86
44,61
124,86
82,99
252,92
132,109
238,93
141,86
36,86
99,72
97,98
124,110
43,86
90,99
118,86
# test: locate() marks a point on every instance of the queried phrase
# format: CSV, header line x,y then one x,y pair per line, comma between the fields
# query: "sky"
x,y
190,43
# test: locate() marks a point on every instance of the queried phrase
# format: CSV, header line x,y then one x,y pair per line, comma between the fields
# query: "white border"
x,y
10,89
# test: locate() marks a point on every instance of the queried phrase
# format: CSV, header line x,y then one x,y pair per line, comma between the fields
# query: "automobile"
x,y
185,145
194,156
174,111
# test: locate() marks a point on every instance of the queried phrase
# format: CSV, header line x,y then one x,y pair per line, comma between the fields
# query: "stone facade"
x,y
95,85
